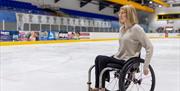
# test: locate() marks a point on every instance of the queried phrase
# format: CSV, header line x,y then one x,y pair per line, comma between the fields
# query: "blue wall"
x,y
7,16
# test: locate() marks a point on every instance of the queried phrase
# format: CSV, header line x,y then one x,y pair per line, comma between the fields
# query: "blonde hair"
x,y
131,14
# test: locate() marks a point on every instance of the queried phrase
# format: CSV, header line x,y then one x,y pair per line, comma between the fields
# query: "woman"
x,y
132,39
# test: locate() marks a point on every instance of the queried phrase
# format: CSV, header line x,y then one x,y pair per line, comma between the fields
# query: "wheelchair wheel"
x,y
133,79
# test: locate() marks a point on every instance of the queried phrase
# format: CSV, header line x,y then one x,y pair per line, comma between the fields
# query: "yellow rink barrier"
x,y
51,41
66,41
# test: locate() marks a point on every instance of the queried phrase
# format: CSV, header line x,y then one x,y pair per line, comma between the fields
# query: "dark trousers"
x,y
100,63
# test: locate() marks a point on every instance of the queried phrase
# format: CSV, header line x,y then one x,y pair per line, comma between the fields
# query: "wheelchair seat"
x,y
113,65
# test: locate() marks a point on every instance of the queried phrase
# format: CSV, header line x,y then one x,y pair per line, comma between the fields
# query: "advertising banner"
x,y
24,36
28,36
43,35
84,35
5,36
63,35
15,35
51,35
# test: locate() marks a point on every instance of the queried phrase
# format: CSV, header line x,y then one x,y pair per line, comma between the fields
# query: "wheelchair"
x,y
128,77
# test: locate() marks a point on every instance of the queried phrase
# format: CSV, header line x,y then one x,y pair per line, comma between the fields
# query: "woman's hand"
x,y
146,71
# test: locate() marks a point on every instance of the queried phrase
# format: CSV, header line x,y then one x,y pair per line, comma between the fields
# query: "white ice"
x,y
64,67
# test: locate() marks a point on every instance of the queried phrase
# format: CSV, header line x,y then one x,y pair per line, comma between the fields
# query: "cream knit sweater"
x,y
131,43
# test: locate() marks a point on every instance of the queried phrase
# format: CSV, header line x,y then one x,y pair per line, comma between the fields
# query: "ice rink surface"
x,y
64,67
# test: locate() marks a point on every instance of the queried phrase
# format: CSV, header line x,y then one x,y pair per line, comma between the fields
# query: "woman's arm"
x,y
146,43
119,37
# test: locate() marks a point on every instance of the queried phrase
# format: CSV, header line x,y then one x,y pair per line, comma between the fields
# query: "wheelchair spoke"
x,y
142,88
114,85
141,71
131,87
137,87
146,77
146,84
110,82
128,79
147,81
140,76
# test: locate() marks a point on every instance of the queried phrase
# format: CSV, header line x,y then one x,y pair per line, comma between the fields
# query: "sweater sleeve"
x,y
120,35
146,43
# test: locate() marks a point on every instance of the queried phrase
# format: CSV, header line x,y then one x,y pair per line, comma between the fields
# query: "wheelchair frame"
x,y
128,63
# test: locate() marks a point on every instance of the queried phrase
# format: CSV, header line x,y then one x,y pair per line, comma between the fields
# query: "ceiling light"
x,y
160,6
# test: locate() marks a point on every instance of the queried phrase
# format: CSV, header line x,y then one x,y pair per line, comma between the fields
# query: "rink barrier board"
x,y
65,41
51,41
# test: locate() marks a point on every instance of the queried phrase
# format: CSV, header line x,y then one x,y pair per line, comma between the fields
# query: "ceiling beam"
x,y
161,3
84,2
116,7
55,1
136,5
103,5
